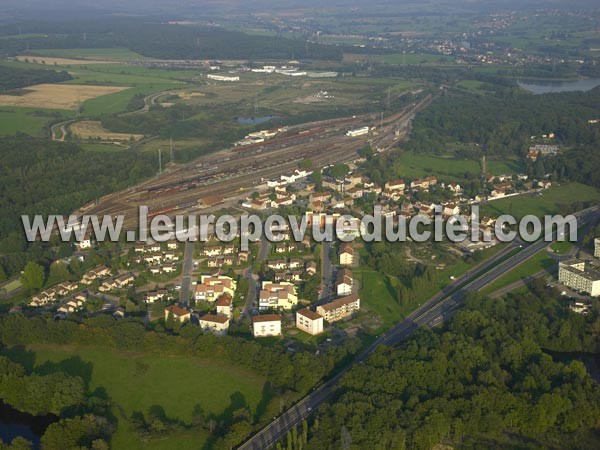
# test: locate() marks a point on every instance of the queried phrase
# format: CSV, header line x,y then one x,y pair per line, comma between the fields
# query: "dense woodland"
x,y
491,378
13,78
500,125
162,41
38,176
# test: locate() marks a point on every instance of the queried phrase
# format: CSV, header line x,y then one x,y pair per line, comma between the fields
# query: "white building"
x,y
222,77
217,325
344,282
266,325
576,274
309,321
277,295
340,308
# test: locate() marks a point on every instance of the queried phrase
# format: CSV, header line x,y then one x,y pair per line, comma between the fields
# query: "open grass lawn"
x,y
548,203
419,165
28,120
378,291
562,248
537,263
378,295
474,86
137,382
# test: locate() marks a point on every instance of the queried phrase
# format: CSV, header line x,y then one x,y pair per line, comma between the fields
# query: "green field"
x,y
539,262
28,120
418,165
136,382
562,248
474,86
11,286
548,203
378,291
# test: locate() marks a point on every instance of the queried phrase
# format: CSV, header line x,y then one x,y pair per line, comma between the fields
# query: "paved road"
x,y
252,278
437,309
186,273
326,273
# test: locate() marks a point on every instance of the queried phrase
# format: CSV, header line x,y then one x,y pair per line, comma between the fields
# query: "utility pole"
x,y
171,146
159,161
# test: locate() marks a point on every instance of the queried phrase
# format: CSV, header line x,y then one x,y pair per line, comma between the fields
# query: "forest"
x,y
491,378
13,78
162,41
501,126
39,176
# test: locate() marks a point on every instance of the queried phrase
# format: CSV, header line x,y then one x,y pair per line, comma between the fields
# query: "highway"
x,y
433,312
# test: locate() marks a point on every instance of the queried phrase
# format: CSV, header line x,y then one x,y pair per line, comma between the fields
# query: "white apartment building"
x,y
266,325
577,275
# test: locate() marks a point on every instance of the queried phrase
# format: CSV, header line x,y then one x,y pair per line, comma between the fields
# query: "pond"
x,y
583,84
14,423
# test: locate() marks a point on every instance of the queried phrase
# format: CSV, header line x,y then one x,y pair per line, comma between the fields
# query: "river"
x,y
583,84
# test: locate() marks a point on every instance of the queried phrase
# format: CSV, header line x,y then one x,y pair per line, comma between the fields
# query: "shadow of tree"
x,y
20,355
73,366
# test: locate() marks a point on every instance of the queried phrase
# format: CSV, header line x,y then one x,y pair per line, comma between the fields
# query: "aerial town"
x,y
299,225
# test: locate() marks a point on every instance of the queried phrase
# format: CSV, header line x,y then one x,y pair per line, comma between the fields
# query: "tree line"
x,y
14,78
489,378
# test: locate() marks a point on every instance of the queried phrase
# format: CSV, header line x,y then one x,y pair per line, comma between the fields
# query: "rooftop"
x,y
266,318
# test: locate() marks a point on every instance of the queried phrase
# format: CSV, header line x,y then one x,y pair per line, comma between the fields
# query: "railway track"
x,y
229,172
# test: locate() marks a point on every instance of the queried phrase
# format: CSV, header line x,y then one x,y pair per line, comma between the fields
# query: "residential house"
x,y
309,321
344,282
179,313
397,185
211,288
217,325
277,295
346,254
311,267
225,305
266,325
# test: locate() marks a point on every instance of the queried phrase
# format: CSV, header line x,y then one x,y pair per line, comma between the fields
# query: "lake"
x,y
583,84
255,120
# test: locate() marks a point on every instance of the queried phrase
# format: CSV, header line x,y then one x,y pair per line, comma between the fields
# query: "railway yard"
x,y
229,173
